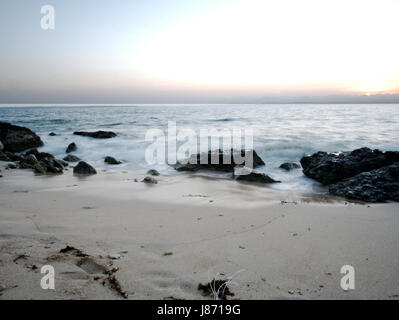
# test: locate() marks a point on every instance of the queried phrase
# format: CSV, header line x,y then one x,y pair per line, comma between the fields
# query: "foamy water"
x,y
281,132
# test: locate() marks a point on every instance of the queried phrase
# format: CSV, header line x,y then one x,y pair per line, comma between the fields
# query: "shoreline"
x,y
176,234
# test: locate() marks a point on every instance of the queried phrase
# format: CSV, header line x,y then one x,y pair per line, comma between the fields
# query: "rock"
x,y
13,157
153,172
329,168
289,166
256,177
40,168
84,168
17,139
149,180
213,160
3,157
25,165
71,147
114,256
52,134
30,159
1,146
111,160
378,185
71,158
97,134
12,166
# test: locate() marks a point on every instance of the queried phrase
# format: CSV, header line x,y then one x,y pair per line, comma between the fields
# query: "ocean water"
x,y
281,132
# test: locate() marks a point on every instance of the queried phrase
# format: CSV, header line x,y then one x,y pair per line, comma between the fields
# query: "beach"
x,y
167,238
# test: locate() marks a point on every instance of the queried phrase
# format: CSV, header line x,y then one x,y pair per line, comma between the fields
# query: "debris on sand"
x,y
73,251
217,288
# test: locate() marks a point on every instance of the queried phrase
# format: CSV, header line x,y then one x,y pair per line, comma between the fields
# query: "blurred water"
x,y
281,132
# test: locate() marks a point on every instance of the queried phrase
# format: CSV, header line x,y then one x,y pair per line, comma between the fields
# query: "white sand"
x,y
293,250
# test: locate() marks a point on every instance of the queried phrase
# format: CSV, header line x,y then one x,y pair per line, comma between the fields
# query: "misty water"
x,y
281,132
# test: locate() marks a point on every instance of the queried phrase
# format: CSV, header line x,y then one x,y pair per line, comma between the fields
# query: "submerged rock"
x,y
71,147
84,168
97,134
219,160
71,158
111,160
289,166
150,180
256,177
378,185
329,168
153,172
52,134
17,139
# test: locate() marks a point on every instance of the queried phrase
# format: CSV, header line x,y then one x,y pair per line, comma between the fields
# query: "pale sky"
x,y
188,51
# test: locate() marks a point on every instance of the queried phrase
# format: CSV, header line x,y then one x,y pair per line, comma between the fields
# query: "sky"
x,y
208,51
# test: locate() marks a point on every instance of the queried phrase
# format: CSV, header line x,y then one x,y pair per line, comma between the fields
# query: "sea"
x,y
281,132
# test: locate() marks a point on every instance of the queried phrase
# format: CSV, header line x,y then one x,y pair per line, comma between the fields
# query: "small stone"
x,y
149,180
291,291
71,158
71,147
84,168
153,172
52,134
111,160
114,256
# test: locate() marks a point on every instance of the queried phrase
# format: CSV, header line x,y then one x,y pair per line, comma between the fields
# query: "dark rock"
x,y
31,159
52,134
40,168
1,146
84,168
289,166
256,177
149,180
71,158
71,147
111,160
13,157
25,165
153,172
17,139
218,160
378,185
97,134
12,166
3,157
330,168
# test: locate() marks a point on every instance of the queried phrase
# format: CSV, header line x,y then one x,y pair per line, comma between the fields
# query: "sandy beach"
x,y
183,231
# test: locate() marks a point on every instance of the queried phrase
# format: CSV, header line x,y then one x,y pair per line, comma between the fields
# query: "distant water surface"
x,y
281,132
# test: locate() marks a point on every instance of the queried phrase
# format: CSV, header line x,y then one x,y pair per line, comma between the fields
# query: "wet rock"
x,y
114,256
153,172
290,166
111,160
219,160
256,177
52,134
71,158
13,157
149,180
71,147
1,146
40,168
378,185
97,134
30,159
3,157
12,166
17,139
84,168
329,168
